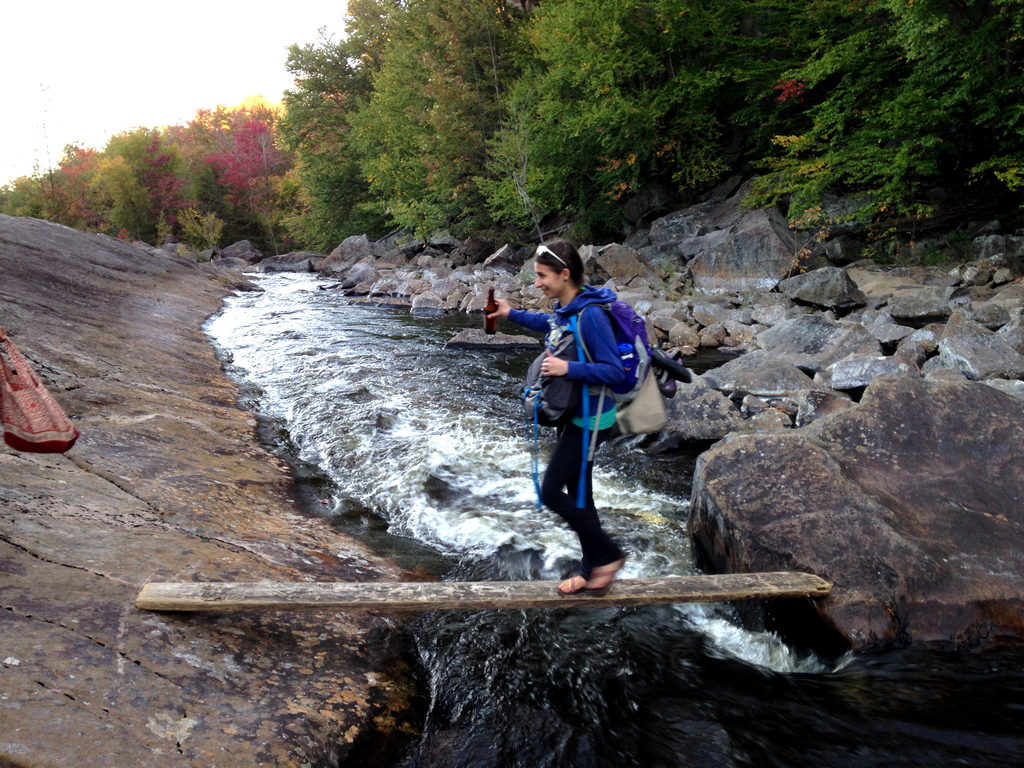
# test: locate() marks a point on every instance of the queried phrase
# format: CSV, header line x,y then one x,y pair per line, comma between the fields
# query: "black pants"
x,y
559,490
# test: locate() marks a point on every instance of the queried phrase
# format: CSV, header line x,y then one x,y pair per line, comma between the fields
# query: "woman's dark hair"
x,y
559,255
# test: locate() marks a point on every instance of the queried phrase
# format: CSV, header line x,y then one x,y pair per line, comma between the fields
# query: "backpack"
x,y
638,398
634,349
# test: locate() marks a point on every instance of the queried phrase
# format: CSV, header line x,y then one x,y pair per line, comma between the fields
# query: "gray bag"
x,y
551,399
645,412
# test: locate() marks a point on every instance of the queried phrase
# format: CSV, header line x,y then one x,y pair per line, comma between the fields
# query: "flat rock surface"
x,y
167,482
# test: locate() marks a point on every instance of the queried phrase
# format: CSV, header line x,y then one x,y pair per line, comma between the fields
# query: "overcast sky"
x,y
81,72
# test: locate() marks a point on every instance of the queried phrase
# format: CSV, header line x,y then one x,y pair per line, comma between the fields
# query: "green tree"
x,y
201,230
436,103
900,98
624,94
137,185
333,80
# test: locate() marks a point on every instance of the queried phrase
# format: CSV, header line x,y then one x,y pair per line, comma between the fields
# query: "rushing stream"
x,y
422,452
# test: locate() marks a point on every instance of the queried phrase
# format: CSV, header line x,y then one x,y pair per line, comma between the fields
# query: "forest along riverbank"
x,y
421,450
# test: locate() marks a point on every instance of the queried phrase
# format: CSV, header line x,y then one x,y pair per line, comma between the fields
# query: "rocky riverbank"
x,y
168,482
869,430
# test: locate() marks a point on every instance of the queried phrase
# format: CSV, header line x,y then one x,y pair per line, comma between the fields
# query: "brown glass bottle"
x,y
490,323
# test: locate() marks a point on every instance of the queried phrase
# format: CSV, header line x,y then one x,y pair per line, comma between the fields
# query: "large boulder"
x,y
615,262
349,251
814,342
857,371
1013,332
362,272
243,249
711,309
1011,296
696,413
827,288
427,304
753,254
910,503
759,373
981,356
920,306
297,261
681,225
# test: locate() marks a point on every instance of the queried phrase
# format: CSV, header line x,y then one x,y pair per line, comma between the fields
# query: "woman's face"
x,y
551,283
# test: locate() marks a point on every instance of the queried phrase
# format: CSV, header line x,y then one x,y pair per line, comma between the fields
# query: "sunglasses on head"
x,y
544,249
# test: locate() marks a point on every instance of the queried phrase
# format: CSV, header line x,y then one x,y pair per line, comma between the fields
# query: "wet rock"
x,y
475,338
427,304
813,342
910,503
828,288
298,261
383,302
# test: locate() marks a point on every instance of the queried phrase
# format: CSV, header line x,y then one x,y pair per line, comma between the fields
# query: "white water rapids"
x,y
433,441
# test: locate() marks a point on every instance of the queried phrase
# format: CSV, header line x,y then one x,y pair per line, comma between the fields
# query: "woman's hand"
x,y
503,308
553,366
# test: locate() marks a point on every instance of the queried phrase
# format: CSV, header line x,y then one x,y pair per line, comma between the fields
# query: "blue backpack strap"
x,y
581,488
535,457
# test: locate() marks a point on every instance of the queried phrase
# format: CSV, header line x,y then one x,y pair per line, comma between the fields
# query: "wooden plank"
x,y
446,595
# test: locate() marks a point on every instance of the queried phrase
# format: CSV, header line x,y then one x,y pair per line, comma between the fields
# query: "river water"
x,y
422,452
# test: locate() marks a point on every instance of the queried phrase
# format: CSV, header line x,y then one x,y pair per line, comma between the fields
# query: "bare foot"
x,y
572,586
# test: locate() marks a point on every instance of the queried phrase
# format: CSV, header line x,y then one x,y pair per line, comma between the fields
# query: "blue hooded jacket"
x,y
598,335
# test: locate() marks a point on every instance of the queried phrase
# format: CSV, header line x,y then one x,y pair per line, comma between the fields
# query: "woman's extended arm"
x,y
535,321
